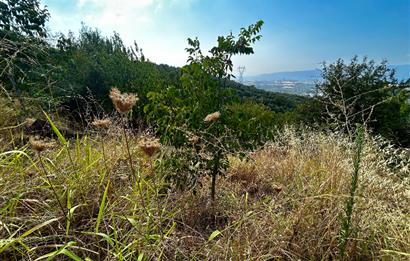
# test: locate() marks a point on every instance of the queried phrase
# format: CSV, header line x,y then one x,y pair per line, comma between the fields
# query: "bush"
x,y
365,93
251,123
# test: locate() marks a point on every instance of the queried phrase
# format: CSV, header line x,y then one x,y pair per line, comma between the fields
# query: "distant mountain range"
x,y
303,82
307,75
402,72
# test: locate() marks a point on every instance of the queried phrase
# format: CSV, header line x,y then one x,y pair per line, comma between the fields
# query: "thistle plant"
x,y
149,146
103,125
212,117
214,150
123,103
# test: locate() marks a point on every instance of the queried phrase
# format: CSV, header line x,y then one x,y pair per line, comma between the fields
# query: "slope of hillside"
x,y
284,202
402,73
303,82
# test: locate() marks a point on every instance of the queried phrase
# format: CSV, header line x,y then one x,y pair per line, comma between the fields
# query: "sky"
x,y
297,34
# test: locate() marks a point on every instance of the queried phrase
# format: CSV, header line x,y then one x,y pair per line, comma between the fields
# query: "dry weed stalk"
x,y
103,124
346,107
39,146
123,103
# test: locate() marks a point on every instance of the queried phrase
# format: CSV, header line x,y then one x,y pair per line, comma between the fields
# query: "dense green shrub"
x,y
251,123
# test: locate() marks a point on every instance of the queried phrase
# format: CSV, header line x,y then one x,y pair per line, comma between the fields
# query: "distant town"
x,y
302,82
285,86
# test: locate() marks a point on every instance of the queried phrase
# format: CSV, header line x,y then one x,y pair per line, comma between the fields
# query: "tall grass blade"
x,y
56,130
63,250
214,234
7,243
102,207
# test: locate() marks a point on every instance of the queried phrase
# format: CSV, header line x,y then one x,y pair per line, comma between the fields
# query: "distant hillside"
x,y
306,75
402,73
277,102
303,82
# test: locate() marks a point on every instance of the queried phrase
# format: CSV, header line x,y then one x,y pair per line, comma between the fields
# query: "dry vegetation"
x,y
111,192
282,202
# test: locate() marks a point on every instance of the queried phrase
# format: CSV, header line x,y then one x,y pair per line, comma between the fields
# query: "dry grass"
x,y
283,202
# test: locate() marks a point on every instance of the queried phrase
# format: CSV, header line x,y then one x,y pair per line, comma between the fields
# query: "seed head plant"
x,y
194,139
149,146
39,146
123,102
102,123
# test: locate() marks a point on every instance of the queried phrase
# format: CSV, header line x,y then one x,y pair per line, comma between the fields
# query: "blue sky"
x,y
297,35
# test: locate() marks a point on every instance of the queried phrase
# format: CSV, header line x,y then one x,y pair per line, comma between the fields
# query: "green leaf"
x,y
63,250
31,230
103,235
55,130
6,243
214,234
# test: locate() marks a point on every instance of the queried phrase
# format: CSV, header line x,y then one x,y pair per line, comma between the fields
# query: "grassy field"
x,y
78,201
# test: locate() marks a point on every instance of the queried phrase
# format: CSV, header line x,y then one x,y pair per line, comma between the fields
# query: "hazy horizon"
x,y
406,65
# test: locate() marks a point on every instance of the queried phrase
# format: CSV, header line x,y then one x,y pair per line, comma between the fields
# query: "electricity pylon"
x,y
241,70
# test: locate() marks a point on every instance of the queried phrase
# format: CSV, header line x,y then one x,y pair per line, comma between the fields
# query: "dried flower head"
x,y
30,121
123,102
40,145
101,123
150,146
212,117
193,139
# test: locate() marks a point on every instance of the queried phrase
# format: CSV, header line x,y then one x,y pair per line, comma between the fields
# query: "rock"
x,y
39,127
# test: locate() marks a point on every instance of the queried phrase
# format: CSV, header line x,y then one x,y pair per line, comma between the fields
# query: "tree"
x,y
91,64
181,110
24,17
366,93
22,46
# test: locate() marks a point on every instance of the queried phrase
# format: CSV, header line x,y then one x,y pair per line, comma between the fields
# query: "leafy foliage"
x,y
203,90
92,64
251,123
366,93
23,17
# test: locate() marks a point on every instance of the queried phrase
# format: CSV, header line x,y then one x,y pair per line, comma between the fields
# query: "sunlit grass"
x,y
284,201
